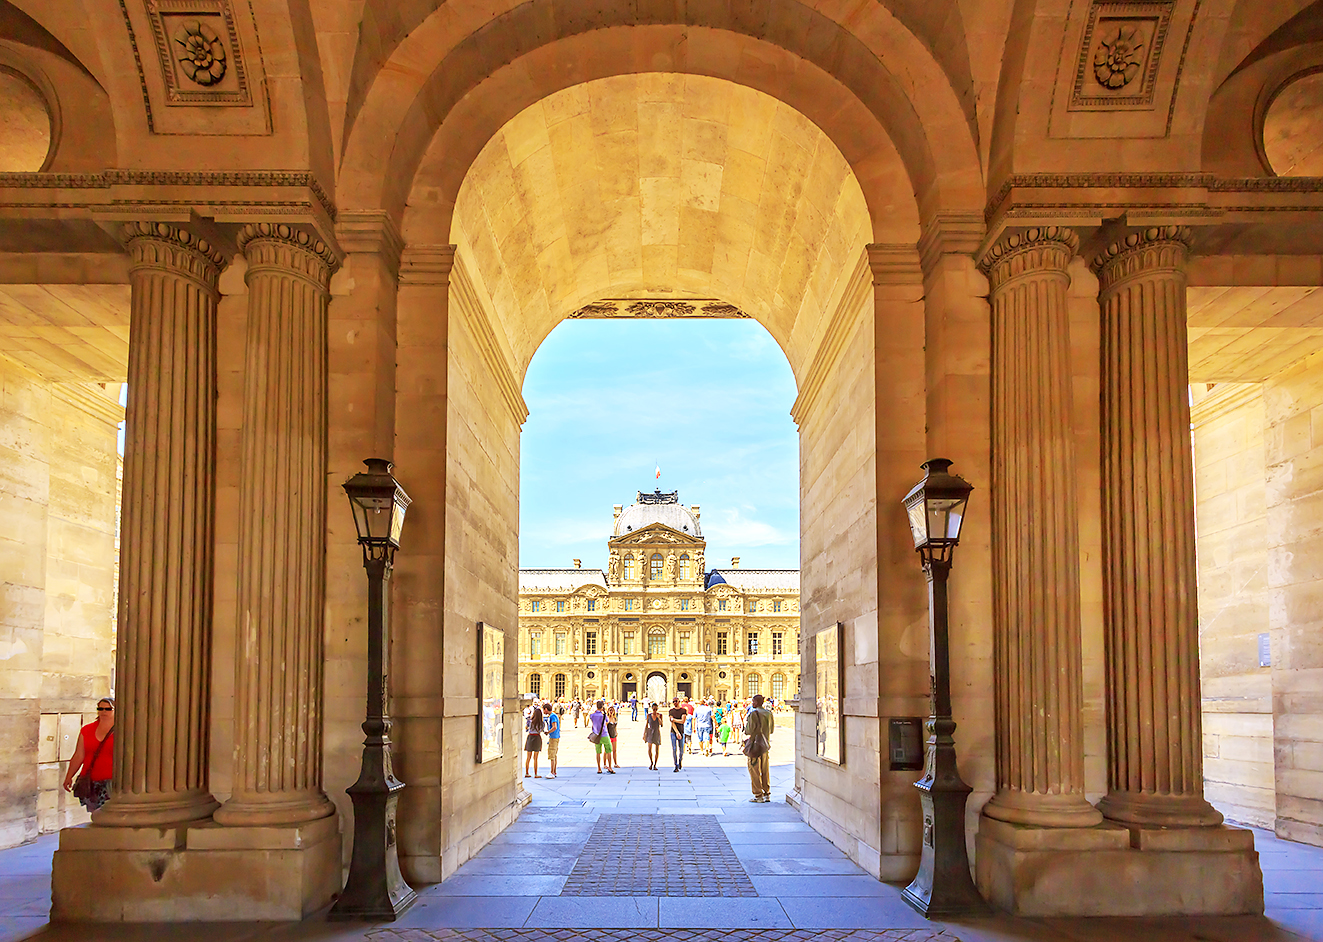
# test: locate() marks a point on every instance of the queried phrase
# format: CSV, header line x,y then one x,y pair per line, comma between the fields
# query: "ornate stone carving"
x,y
658,308
1157,248
165,245
1036,249
1119,58
1119,54
279,244
201,54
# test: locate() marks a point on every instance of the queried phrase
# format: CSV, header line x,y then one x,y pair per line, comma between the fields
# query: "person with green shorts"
x,y
597,729
723,733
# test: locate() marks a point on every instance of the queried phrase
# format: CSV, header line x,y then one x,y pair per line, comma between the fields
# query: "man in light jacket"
x,y
758,729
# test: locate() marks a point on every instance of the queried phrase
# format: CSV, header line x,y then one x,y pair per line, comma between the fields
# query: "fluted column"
x,y
1035,534
282,533
163,656
1155,742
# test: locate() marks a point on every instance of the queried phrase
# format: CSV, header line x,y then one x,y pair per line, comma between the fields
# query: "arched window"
x,y
656,643
629,566
684,566
778,685
535,684
752,685
656,570
558,685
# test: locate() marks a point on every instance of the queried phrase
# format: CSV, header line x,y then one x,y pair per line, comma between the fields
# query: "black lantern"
x,y
936,509
379,505
376,890
943,886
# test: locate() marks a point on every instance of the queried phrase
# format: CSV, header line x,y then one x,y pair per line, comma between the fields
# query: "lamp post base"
x,y
943,886
376,889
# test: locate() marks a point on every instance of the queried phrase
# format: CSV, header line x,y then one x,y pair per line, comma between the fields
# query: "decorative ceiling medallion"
x,y
197,43
1119,55
659,308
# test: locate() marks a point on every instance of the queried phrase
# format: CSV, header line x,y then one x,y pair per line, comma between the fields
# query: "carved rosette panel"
x,y
198,49
1119,55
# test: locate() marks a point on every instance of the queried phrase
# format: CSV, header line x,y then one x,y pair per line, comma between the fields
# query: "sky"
x,y
706,400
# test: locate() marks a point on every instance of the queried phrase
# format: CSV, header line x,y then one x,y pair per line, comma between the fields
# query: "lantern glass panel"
x,y
375,516
945,515
397,521
918,524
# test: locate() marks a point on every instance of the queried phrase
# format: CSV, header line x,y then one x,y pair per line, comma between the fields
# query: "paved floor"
x,y
765,877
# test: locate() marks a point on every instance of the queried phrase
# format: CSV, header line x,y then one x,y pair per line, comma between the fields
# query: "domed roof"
x,y
657,508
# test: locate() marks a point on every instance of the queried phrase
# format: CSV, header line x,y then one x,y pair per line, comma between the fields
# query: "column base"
x,y
1111,870
283,809
202,872
161,809
1043,811
1159,811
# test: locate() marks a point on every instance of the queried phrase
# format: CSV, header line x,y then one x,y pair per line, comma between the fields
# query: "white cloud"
x,y
731,526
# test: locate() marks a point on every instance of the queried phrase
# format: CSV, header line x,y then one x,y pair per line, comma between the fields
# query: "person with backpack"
x,y
599,737
757,745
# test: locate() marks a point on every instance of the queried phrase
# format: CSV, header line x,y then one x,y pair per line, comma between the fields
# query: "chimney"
x,y
694,510
734,562
578,564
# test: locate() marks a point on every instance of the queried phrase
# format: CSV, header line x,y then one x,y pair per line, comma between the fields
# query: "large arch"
x,y
875,62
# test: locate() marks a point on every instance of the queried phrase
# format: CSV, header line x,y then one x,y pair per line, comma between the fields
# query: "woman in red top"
x,y
95,741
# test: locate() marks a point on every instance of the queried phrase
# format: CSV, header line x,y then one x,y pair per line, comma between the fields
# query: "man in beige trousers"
x,y
758,726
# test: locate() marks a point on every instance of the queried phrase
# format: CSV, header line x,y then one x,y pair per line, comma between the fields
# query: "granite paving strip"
x,y
657,855
662,935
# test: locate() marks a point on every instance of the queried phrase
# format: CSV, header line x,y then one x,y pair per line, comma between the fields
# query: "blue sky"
x,y
708,400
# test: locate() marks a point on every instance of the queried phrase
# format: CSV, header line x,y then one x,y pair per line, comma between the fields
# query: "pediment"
x,y
656,533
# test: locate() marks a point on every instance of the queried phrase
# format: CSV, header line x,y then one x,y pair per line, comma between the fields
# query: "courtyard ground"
x,y
644,856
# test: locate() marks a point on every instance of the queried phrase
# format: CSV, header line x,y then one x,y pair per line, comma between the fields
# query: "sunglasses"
x,y
105,709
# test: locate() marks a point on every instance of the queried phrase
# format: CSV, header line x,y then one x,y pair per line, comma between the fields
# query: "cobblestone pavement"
x,y
657,855
662,935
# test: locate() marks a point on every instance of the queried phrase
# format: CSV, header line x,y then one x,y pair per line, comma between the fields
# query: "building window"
x,y
656,644
752,685
684,565
629,566
778,685
656,567
753,642
721,605
535,605
750,606
777,644
722,646
535,684
560,605
684,642
684,605
590,642
558,684
535,645
560,643
592,605
776,605
628,643
629,605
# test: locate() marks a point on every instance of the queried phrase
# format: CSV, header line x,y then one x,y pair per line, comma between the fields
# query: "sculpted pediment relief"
x,y
656,533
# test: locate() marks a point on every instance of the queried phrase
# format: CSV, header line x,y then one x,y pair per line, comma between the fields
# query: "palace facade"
x,y
656,622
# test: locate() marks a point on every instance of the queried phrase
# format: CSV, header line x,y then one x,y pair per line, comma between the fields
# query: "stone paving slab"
x,y
856,913
467,912
602,912
657,855
662,935
828,885
719,913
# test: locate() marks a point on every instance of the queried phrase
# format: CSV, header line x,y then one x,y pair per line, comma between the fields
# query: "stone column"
x,y
1155,741
1036,649
282,534
166,543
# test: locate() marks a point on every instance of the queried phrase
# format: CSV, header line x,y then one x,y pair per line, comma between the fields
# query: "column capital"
x,y
894,264
371,232
427,265
950,233
1035,249
289,248
1156,248
174,247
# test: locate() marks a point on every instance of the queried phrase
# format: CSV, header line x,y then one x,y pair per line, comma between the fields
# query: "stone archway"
x,y
657,689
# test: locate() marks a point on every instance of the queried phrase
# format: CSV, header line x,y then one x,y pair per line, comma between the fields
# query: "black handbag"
x,y
82,789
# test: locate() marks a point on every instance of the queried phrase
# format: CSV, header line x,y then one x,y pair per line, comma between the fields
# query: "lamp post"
x,y
942,887
375,889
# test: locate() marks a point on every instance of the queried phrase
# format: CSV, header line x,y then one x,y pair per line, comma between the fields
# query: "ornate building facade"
x,y
656,623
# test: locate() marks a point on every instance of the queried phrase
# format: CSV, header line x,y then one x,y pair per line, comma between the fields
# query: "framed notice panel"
x,y
491,692
829,682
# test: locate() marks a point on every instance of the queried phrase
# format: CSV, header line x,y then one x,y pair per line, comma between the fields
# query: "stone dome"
x,y
657,508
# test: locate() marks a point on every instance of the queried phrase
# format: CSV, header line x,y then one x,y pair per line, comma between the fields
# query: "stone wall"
x,y
57,557
1233,600
1293,498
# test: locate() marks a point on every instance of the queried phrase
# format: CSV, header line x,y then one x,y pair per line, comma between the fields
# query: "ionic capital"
x,y
1040,249
1157,248
292,250
164,245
